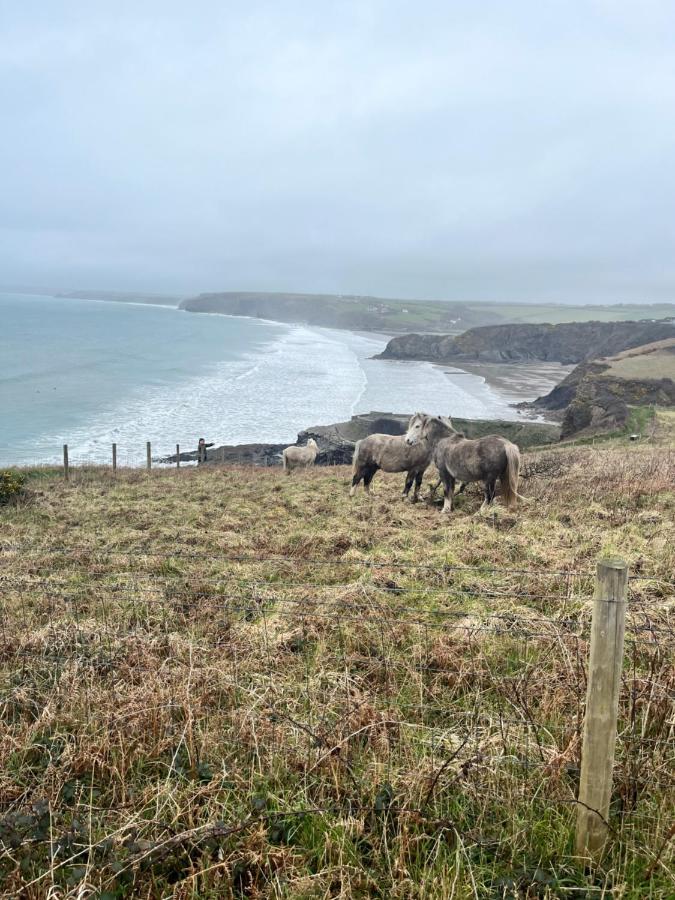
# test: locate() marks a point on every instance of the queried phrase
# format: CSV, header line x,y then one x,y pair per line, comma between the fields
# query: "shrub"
x,y
12,486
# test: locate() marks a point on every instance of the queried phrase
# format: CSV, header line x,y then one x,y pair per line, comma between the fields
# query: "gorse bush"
x,y
12,485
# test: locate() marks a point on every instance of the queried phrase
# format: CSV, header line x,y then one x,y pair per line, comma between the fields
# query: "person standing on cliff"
x,y
201,450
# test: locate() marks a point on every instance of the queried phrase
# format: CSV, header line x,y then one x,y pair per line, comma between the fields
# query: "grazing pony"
x,y
300,457
393,453
459,459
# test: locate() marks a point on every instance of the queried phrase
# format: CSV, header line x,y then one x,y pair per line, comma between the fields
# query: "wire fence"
x,y
327,687
81,460
78,462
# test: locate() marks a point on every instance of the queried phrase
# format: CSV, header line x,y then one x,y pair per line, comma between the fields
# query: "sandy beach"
x,y
515,382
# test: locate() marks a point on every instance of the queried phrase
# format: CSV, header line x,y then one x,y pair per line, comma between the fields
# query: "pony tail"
x,y
509,479
285,461
355,457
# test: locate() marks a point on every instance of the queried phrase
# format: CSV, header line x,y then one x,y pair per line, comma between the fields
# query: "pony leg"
x,y
409,478
368,477
358,475
490,489
432,491
418,484
448,490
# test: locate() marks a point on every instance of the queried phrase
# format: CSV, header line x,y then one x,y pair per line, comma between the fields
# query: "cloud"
x,y
438,149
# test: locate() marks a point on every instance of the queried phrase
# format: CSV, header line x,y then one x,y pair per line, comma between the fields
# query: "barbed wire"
x,y
226,557
265,593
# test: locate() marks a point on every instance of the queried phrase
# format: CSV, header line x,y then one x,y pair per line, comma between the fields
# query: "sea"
x,y
89,373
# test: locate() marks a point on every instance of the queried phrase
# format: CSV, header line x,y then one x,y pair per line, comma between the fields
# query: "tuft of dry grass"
x,y
228,683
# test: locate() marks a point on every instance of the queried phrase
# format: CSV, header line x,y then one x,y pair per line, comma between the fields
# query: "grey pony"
x,y
459,459
392,453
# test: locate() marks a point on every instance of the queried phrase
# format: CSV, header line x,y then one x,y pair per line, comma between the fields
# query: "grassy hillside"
x,y
231,683
651,362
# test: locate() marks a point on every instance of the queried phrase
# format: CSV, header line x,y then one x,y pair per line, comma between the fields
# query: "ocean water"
x,y
88,373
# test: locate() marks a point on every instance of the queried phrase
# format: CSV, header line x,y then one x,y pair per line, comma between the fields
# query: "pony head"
x,y
415,431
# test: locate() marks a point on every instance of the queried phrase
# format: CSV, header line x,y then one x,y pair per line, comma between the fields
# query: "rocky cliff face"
x,y
597,396
568,343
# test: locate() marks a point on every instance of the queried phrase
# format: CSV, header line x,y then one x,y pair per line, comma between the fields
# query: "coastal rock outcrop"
x,y
598,395
336,442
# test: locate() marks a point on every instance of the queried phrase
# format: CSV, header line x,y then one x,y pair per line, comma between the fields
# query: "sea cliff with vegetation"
x,y
605,394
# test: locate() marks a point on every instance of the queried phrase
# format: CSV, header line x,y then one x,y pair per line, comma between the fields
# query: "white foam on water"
x,y
304,377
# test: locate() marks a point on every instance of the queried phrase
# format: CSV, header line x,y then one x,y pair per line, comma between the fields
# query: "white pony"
x,y
300,457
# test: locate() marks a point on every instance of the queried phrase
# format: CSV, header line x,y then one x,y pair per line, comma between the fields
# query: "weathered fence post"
x,y
222,455
66,468
148,453
602,705
178,456
114,457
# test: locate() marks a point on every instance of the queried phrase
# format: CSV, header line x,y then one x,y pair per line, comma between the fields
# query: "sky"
x,y
445,150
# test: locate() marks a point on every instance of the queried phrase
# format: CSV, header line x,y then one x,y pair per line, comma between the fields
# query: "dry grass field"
x,y
231,683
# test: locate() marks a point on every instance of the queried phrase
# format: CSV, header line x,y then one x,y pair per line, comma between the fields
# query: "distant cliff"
x,y
354,313
567,343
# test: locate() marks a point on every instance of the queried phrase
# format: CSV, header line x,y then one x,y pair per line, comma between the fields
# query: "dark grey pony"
x,y
459,459
392,453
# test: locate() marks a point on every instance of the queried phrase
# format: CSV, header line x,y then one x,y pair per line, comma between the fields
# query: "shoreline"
x,y
514,382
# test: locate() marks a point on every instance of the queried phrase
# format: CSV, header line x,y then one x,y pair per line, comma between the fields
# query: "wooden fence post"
x,y
178,456
222,455
66,468
148,453
114,457
602,705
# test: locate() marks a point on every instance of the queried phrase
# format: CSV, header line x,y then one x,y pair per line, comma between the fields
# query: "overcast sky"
x,y
453,150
